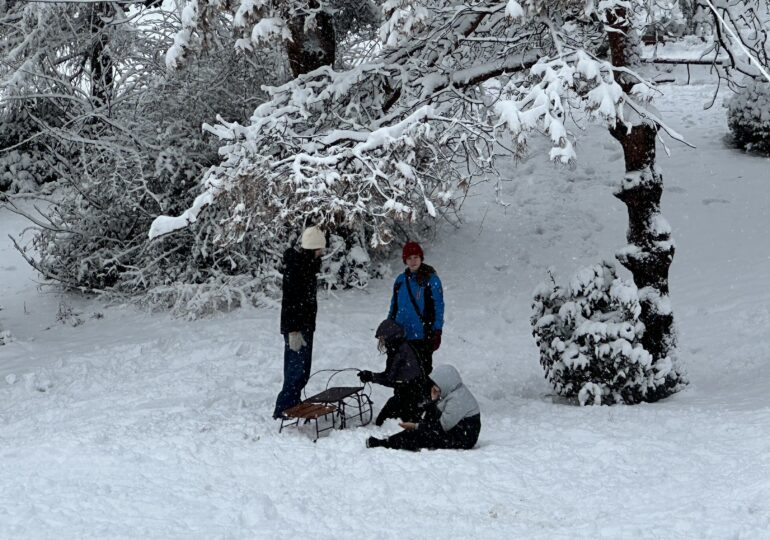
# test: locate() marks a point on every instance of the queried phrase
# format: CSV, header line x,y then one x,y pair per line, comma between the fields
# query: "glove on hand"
x,y
296,341
365,376
435,340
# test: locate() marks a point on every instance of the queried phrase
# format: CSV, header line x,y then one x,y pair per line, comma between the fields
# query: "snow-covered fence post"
x,y
650,248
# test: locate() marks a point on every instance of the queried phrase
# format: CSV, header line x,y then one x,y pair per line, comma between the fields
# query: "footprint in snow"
x,y
707,202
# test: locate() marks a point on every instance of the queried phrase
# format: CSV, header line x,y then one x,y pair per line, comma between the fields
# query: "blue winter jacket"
x,y
423,284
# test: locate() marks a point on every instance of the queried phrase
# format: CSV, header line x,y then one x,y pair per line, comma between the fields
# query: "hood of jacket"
x,y
391,332
446,377
456,401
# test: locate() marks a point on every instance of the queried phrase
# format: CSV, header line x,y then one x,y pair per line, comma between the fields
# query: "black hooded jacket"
x,y
401,365
299,305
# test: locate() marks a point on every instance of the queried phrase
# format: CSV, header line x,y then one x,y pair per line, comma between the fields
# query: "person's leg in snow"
x,y
430,435
404,404
389,410
410,398
296,372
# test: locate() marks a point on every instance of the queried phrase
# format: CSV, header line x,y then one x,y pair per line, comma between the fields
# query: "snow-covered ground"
x,y
121,424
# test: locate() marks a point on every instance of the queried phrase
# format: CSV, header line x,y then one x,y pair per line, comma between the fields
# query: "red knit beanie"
x,y
411,248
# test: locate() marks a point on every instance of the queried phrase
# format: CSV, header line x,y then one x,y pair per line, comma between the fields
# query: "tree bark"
x,y
102,66
651,250
311,48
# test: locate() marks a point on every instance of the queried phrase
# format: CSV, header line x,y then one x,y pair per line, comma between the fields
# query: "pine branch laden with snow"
x,y
590,339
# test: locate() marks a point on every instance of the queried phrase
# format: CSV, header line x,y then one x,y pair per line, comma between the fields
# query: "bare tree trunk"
x,y
651,249
311,48
102,67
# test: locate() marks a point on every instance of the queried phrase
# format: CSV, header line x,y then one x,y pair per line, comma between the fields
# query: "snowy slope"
x,y
132,425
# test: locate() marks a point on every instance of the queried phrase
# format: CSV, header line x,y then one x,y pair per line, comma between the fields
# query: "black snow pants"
x,y
431,435
404,404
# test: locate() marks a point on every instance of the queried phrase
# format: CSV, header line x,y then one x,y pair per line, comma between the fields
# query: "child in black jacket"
x,y
403,372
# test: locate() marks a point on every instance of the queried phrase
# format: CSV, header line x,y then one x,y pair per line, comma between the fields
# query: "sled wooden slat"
x,y
310,411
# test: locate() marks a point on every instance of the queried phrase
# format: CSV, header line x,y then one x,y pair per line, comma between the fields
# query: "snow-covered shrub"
x,y
23,172
25,164
589,335
748,116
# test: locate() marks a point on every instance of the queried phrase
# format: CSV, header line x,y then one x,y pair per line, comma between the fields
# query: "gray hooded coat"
x,y
456,401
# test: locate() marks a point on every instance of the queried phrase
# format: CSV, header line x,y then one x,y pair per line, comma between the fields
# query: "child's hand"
x,y
407,425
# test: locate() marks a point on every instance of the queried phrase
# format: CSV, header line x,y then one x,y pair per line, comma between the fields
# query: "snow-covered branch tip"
x,y
752,59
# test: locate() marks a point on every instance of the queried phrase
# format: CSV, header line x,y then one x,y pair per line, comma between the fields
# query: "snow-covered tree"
x,y
48,55
398,139
120,162
308,30
590,339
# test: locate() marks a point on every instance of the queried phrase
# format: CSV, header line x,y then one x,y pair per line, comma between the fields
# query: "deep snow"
x,y
132,425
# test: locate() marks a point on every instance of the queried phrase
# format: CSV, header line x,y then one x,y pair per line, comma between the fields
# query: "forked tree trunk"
x,y
651,249
311,48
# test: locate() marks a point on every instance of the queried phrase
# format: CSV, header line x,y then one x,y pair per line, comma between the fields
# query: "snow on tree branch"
x,y
745,36
396,138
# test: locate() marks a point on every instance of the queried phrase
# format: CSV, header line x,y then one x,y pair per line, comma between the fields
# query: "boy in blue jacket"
x,y
417,304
